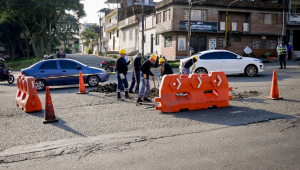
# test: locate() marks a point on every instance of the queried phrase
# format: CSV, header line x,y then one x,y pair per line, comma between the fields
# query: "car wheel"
x,y
250,70
201,71
93,81
109,69
40,84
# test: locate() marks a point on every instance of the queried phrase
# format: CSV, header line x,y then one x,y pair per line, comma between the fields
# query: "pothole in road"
x,y
245,94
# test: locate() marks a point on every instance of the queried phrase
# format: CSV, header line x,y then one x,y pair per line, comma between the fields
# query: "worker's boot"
x,y
146,99
139,100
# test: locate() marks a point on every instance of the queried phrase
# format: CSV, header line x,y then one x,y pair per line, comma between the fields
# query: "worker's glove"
x,y
145,76
122,76
153,77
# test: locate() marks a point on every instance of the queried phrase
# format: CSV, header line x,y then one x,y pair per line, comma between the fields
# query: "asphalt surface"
x,y
95,131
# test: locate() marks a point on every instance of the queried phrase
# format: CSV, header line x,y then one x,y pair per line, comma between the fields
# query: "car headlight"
x,y
258,60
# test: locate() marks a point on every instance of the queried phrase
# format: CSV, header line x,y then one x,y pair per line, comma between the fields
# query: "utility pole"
x,y
143,38
189,28
226,23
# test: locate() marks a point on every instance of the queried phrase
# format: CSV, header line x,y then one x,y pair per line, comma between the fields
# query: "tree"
x,y
67,28
36,16
89,35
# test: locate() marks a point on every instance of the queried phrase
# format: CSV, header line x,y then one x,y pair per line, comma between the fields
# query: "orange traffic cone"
x,y
81,85
49,111
274,95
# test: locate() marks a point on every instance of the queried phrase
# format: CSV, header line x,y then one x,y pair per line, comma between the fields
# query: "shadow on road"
x,y
230,116
60,124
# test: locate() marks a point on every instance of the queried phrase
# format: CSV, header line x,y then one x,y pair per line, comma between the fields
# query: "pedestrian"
x,y
121,69
2,66
166,68
137,64
282,52
145,69
188,64
290,51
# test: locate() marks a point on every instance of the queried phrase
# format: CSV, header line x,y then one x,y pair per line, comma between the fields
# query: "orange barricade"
x,y
27,98
193,92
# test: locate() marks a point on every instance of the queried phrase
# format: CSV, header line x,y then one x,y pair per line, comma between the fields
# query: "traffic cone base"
x,y
274,95
81,85
49,110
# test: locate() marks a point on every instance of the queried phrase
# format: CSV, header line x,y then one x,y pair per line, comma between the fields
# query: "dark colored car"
x,y
64,72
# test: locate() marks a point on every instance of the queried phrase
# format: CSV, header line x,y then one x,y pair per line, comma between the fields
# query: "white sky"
x,y
91,7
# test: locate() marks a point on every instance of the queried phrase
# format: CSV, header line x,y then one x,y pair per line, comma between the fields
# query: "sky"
x,y
91,7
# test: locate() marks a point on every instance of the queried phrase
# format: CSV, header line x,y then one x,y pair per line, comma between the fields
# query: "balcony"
x,y
110,26
295,18
129,21
235,26
254,4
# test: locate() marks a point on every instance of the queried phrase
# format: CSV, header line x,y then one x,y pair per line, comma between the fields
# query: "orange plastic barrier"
x,y
193,92
27,98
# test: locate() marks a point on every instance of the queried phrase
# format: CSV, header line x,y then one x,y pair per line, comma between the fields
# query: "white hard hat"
x,y
290,43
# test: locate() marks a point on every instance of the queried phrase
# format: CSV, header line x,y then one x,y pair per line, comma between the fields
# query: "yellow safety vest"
x,y
281,50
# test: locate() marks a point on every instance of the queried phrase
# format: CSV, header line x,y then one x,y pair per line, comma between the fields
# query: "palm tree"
x,y
89,35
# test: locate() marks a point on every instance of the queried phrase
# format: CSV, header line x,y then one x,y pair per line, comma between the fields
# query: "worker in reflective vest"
x,y
282,52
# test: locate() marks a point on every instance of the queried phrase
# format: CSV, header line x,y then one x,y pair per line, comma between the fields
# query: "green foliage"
x,y
89,35
68,51
250,55
113,56
20,63
88,50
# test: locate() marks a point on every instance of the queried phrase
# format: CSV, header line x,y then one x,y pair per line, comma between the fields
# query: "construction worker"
x,y
145,69
282,52
166,68
137,64
188,64
121,69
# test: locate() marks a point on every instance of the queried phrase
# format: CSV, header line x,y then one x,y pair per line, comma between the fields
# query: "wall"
x,y
129,44
110,40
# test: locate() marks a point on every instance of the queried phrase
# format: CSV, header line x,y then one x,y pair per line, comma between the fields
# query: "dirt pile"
x,y
245,94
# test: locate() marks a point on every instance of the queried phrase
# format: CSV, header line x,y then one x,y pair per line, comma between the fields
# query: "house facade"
x,y
258,25
293,26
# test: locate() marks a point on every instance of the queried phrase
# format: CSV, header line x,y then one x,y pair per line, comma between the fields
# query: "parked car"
x,y
226,61
64,72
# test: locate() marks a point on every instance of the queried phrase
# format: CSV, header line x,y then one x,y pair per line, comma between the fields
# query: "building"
x,y
257,24
293,26
73,46
82,43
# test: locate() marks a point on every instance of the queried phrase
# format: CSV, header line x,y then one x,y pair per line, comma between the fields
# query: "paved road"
x,y
97,132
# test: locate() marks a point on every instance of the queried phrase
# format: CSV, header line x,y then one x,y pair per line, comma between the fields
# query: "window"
x,y
186,14
130,35
70,45
68,65
166,15
210,56
236,39
117,33
49,65
157,39
255,44
124,36
168,42
264,44
226,55
268,19
196,15
221,42
272,44
158,19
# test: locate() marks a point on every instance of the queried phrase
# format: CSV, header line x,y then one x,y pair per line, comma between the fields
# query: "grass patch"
x,y
174,64
20,63
113,56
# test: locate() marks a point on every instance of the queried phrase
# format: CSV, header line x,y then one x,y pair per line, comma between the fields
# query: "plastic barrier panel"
x,y
193,92
27,98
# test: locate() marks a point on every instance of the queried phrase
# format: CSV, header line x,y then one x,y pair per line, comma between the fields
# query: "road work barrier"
x,y
49,110
274,94
193,92
27,98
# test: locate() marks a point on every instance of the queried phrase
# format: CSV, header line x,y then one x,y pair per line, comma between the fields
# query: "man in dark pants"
x,y
290,50
188,64
145,69
137,64
282,52
2,66
121,69
166,68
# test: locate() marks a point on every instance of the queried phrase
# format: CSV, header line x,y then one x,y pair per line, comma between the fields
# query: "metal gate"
x,y
198,43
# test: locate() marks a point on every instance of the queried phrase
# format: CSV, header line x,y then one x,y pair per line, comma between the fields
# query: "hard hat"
x,y
154,57
2,60
122,51
160,60
282,42
195,57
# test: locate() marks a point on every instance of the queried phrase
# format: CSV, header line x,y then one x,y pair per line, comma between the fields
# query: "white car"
x,y
226,61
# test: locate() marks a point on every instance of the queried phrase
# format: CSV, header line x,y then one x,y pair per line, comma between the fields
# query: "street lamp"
x,y
226,23
143,39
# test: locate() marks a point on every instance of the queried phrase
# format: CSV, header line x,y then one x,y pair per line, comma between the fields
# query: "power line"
x,y
39,3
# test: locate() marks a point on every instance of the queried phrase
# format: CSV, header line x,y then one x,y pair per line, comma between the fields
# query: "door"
x,y
151,43
198,43
230,63
296,37
211,61
69,72
114,43
48,70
